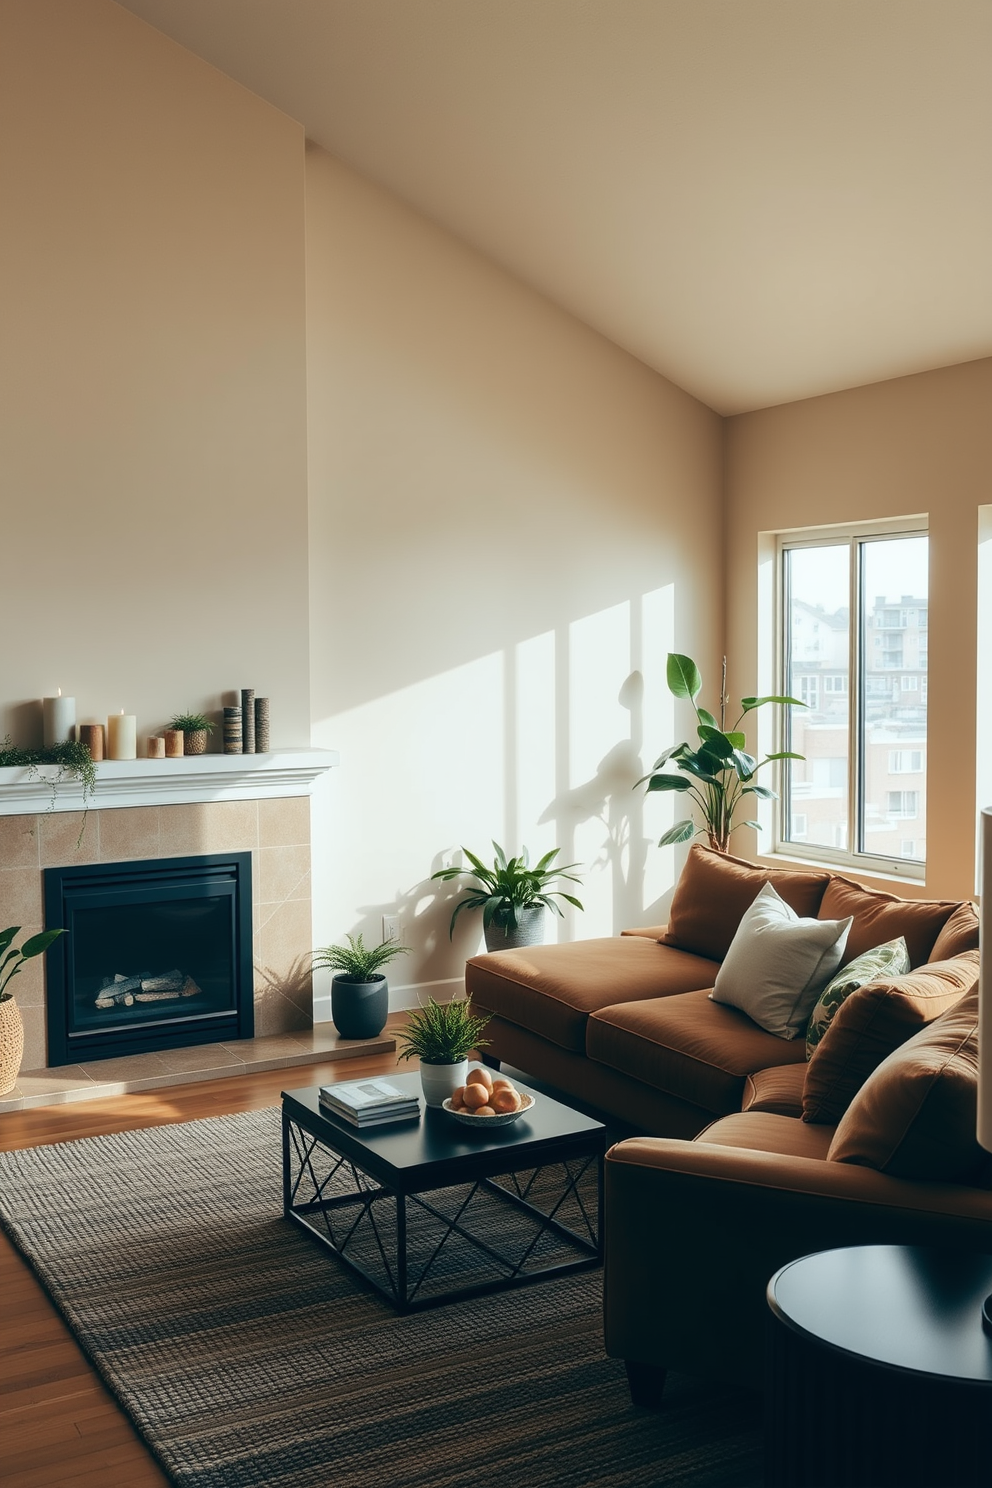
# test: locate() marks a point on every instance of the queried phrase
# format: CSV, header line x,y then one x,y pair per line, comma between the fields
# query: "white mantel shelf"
x,y
169,782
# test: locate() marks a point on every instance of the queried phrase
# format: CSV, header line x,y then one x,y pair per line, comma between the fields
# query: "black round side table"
x,y
878,1370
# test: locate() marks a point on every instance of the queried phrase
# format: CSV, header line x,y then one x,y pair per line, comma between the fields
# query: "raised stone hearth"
x,y
108,1077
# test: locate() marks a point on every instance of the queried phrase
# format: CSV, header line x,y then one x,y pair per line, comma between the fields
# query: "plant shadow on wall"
x,y
608,797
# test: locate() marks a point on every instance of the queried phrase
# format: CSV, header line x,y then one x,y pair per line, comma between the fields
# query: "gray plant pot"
x,y
359,1009
528,931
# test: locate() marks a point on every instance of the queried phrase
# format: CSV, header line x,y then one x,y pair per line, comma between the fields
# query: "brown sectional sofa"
x,y
732,1181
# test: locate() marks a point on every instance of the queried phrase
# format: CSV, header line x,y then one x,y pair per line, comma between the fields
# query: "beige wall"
x,y
512,522
916,444
152,377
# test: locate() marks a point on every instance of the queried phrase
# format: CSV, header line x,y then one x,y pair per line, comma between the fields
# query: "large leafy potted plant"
x,y
719,774
12,958
513,896
359,990
442,1035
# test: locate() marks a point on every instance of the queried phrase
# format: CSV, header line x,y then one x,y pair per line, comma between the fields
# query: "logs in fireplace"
x,y
158,954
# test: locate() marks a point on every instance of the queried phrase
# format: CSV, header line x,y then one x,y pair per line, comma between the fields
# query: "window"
x,y
865,591
903,804
905,761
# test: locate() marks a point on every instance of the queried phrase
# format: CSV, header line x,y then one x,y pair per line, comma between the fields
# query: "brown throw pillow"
x,y
715,890
874,1021
959,934
915,1116
879,917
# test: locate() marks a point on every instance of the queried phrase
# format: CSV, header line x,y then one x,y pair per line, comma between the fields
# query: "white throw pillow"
x,y
778,964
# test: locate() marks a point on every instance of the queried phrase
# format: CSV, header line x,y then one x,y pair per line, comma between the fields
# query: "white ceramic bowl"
x,y
505,1118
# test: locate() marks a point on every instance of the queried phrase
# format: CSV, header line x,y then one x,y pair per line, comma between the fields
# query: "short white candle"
x,y
122,736
60,719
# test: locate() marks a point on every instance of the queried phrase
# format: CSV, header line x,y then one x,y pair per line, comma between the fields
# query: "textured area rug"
x,y
249,1357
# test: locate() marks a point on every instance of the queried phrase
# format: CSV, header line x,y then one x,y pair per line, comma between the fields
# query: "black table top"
x,y
905,1306
437,1148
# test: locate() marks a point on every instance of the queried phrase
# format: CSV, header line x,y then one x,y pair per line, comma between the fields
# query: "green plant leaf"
x,y
782,754
681,832
749,703
6,936
764,792
745,764
716,742
706,717
668,783
756,825
702,767
683,676
39,943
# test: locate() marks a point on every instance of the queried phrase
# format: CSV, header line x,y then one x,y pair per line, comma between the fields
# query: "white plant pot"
x,y
442,1080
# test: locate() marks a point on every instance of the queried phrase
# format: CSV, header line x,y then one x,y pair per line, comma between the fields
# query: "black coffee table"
x,y
429,1210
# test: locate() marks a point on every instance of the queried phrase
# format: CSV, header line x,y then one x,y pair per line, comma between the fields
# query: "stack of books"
x,y
369,1102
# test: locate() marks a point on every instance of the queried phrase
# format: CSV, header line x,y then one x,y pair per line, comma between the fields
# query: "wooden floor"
x,y
58,1425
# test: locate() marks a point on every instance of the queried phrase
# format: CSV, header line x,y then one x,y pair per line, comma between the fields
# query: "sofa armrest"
x,y
694,1231
650,932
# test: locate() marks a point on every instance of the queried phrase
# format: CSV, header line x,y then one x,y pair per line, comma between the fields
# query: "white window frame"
x,y
853,534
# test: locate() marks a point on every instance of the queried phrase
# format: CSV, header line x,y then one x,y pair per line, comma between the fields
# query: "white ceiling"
x,y
762,199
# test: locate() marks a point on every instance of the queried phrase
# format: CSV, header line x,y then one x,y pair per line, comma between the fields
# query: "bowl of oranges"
x,y
485,1101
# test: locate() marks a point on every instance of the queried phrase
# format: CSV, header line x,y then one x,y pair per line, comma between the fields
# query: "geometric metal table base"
x,y
408,1244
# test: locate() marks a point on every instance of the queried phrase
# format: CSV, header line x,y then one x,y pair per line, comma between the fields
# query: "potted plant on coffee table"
x,y
359,990
442,1035
194,727
513,896
12,958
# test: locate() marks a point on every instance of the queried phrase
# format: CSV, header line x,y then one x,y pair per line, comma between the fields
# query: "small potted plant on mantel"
x,y
359,990
513,896
195,728
12,958
442,1035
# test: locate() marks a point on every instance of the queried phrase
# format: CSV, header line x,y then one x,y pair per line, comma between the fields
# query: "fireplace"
x,y
158,954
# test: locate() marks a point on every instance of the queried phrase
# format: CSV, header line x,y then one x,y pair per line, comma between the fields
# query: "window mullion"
x,y
855,711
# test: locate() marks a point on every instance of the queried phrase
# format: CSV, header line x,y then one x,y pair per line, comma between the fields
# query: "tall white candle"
x,y
122,736
60,719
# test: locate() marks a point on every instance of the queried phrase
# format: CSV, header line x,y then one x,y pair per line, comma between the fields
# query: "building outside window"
x,y
854,612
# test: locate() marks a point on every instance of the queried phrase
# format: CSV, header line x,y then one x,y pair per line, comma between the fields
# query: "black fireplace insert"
x,y
158,954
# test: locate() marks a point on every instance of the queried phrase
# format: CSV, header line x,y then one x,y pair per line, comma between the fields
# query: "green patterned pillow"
x,y
888,960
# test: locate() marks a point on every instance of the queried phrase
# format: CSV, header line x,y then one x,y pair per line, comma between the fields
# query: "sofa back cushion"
x,y
915,1115
879,917
873,1022
714,891
960,933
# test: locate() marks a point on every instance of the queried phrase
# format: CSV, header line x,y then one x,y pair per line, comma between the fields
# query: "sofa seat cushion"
x,y
778,1090
687,1046
714,890
551,990
762,1131
879,917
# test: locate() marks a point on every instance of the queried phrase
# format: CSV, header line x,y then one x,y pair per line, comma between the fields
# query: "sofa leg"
x,y
490,1061
647,1383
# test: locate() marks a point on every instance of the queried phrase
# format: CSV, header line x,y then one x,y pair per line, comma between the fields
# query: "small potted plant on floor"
x,y
11,1026
194,728
359,990
442,1035
513,896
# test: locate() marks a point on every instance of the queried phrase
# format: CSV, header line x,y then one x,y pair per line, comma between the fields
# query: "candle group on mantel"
x,y
122,736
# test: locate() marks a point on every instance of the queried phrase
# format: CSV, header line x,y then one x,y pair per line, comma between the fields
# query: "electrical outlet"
x,y
390,927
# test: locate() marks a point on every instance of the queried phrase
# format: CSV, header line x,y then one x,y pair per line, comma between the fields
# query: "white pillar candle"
x,y
122,736
60,719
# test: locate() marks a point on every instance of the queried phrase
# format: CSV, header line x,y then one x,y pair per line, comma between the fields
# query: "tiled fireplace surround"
x,y
275,832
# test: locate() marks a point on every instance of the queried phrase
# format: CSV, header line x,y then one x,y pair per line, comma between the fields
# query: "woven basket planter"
x,y
11,1044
